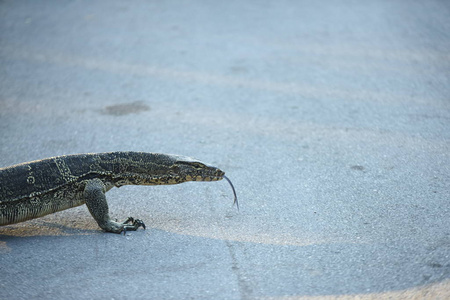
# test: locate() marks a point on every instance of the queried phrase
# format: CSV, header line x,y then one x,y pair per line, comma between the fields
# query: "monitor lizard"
x,y
34,189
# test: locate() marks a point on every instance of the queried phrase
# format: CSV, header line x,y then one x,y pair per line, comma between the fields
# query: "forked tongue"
x,y
234,192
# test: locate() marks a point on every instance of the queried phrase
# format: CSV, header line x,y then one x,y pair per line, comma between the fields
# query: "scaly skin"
x,y
38,188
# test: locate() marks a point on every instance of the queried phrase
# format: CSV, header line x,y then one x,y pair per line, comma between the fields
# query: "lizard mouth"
x,y
203,178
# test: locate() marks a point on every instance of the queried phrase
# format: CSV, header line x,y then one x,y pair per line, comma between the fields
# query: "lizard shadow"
x,y
43,228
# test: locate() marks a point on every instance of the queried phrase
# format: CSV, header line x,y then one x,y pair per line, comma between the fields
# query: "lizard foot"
x,y
135,224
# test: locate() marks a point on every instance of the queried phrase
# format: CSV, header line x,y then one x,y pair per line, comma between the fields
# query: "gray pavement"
x,y
332,118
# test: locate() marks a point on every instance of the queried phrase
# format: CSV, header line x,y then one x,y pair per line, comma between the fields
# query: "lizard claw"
x,y
139,223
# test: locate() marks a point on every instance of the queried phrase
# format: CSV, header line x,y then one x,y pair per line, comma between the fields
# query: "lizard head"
x,y
189,169
153,169
184,168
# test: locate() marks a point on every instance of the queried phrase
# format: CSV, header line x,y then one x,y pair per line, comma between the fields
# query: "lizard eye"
x,y
198,166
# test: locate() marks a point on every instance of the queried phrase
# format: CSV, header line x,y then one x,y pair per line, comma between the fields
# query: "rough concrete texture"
x,y
332,119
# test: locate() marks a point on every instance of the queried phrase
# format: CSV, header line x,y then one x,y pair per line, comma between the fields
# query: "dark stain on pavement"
x,y
357,168
125,108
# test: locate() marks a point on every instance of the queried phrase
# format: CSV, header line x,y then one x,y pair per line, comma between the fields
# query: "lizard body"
x,y
34,189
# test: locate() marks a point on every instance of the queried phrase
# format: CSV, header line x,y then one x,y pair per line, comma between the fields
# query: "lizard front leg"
x,y
94,196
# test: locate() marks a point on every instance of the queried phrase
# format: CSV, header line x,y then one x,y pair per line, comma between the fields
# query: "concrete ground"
x,y
332,119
